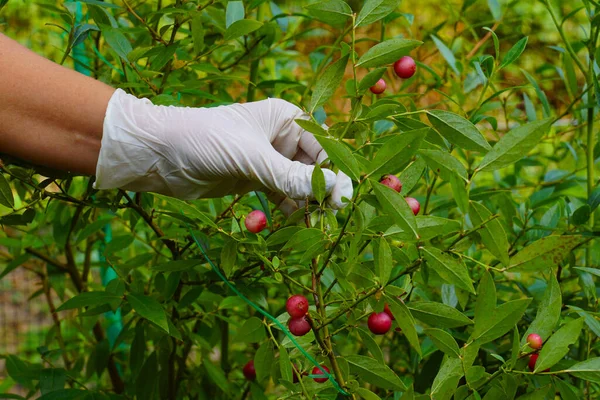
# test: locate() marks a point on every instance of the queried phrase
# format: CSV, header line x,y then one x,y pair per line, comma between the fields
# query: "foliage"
x,y
504,245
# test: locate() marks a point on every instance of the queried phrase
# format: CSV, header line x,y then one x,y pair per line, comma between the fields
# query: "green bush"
x,y
500,159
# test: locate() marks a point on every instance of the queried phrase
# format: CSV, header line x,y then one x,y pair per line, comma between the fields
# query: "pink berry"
x,y
379,87
386,309
392,182
534,341
405,67
317,371
256,221
249,371
297,306
414,204
299,326
379,323
532,360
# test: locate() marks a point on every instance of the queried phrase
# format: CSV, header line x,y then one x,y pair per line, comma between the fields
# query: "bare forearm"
x,y
49,115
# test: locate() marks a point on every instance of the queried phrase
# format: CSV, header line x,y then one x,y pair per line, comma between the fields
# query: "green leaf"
x,y
328,83
147,307
447,54
217,375
241,28
548,312
189,210
444,163
397,152
514,53
366,394
383,262
253,331
304,239
492,234
500,321
581,215
374,10
387,52
495,8
234,12
318,184
371,344
52,379
540,93
332,12
198,33
458,130
557,346
447,378
443,341
283,235
405,321
515,145
178,265
438,314
545,253
6,195
411,175
588,370
374,372
341,156
396,206
594,200
90,299
486,298
451,269
460,192
311,126
285,366
263,359
370,79
117,40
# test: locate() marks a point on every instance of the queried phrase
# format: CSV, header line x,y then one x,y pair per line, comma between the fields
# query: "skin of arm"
x,y
49,115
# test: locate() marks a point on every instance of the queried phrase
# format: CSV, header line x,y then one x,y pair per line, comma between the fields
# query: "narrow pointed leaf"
x,y
451,269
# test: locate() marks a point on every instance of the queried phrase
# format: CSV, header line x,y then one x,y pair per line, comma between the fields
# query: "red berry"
x,y
405,67
297,306
299,326
534,341
256,221
249,371
317,371
532,360
296,378
414,204
392,182
379,323
386,309
379,87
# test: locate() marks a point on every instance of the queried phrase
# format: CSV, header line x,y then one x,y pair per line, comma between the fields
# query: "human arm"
x,y
59,118
49,115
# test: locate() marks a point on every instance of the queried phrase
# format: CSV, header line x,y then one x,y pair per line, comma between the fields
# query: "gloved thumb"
x,y
293,179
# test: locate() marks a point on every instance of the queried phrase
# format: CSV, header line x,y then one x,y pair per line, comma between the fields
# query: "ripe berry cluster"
x,y
535,342
404,68
297,307
393,182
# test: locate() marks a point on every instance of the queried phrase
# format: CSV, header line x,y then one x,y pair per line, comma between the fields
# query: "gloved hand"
x,y
191,153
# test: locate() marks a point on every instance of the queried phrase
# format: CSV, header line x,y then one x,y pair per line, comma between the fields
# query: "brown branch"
x,y
171,245
482,41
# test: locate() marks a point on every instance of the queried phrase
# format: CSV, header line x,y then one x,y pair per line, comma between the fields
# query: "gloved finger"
x,y
285,204
304,158
342,188
294,179
311,146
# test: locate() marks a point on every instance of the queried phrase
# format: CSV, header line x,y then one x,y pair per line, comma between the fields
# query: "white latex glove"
x,y
191,153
